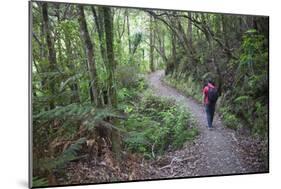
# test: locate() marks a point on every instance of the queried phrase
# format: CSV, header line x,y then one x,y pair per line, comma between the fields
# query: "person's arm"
x,y
203,96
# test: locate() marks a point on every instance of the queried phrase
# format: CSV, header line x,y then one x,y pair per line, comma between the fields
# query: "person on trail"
x,y
210,96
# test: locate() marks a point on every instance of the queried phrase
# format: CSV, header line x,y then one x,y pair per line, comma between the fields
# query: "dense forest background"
x,y
90,98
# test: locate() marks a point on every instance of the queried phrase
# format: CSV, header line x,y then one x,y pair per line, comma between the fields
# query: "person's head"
x,y
211,81
205,83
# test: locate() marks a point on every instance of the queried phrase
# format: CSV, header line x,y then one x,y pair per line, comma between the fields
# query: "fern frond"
x,y
241,98
39,182
66,156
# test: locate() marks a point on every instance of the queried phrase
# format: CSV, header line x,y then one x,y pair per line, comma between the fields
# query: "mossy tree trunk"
x,y
94,87
151,46
112,98
51,53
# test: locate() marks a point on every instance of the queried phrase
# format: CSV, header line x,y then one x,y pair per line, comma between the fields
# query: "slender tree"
x,y
189,29
108,25
51,52
99,23
74,86
90,56
128,31
151,41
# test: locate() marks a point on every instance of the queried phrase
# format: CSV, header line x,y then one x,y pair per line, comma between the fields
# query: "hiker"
x,y
210,96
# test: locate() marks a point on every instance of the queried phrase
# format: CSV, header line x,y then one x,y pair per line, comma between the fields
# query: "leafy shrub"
x,y
156,125
187,86
260,126
127,76
247,101
229,119
129,94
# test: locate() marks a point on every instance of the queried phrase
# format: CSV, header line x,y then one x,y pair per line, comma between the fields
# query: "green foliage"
x,y
249,99
130,84
45,166
180,132
260,125
253,61
149,124
39,182
137,37
158,124
53,127
70,111
70,154
241,98
96,116
229,119
188,86
127,76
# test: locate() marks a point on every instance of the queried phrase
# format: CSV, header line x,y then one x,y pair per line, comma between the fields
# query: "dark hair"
x,y
205,83
211,81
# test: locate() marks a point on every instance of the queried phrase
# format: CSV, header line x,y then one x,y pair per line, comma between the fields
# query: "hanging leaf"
x,y
241,98
64,83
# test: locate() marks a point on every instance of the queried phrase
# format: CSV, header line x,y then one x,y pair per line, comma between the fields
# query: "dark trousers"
x,y
210,110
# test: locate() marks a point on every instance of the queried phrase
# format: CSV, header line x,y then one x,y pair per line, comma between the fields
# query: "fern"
x,y
70,111
98,116
70,153
66,156
241,98
157,124
39,182
69,80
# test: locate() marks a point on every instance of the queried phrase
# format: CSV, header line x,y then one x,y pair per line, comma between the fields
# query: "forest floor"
x,y
214,152
220,151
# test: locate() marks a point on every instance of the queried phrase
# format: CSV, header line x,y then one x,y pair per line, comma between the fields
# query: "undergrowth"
x,y
150,126
157,124
187,86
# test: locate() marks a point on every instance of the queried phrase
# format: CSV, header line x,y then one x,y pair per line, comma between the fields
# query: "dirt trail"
x,y
214,152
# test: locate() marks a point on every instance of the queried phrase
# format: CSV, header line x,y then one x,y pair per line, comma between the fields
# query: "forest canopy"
x,y
91,100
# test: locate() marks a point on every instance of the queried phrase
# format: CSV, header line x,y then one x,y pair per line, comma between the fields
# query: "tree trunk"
x,y
250,22
51,53
210,39
128,30
108,25
43,56
224,33
100,29
58,35
151,41
174,51
163,42
172,62
189,30
73,85
90,56
192,61
99,22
